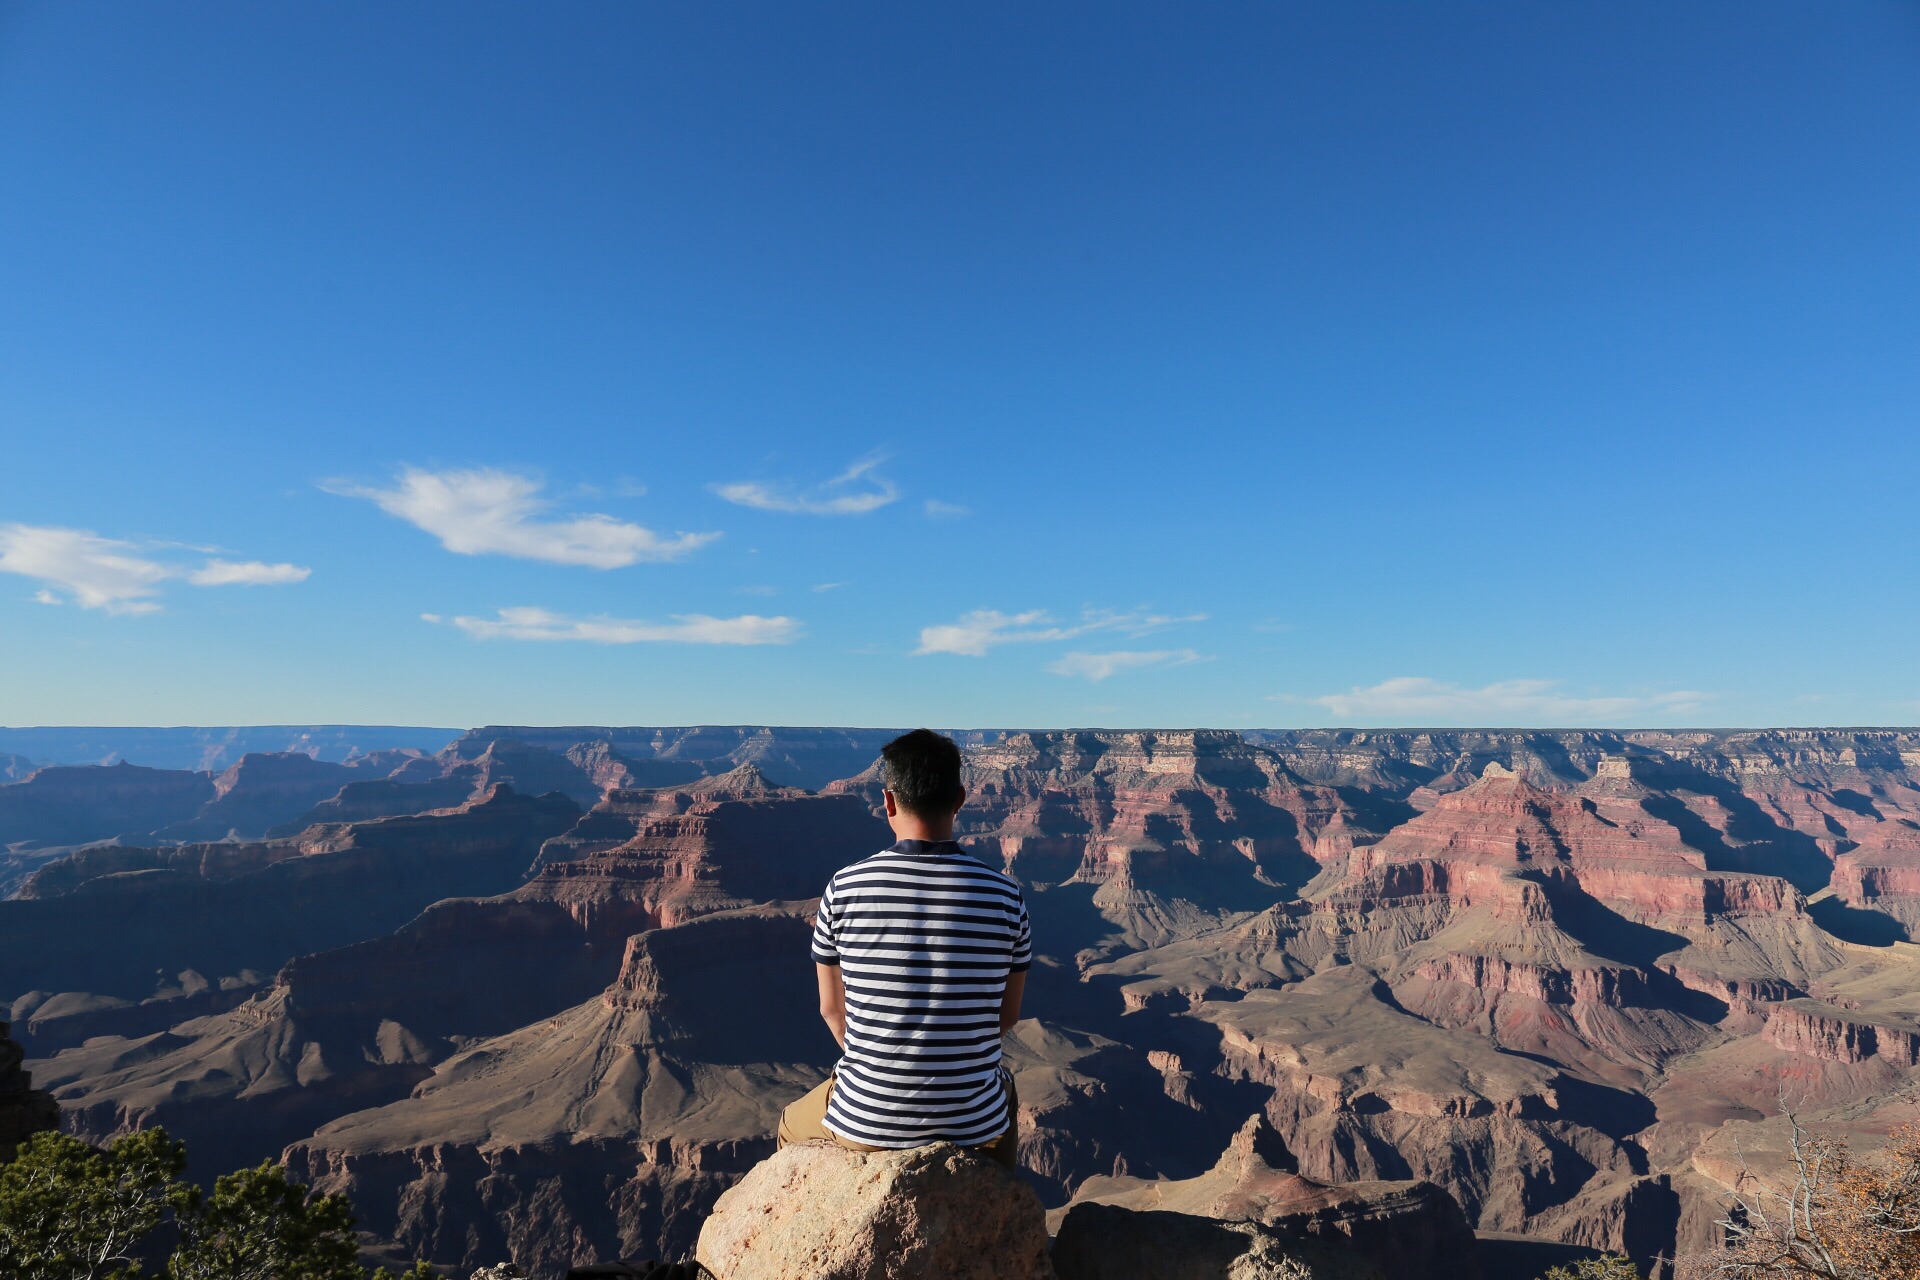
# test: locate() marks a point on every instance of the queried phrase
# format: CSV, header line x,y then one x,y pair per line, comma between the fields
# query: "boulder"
x,y
1106,1242
928,1213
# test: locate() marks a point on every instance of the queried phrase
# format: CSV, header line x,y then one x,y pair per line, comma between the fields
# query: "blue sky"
x,y
1264,364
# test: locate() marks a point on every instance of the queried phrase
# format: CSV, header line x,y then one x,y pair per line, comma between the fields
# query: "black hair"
x,y
922,769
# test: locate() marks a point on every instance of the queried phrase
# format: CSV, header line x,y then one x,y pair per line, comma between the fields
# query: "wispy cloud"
x,y
1099,666
484,511
983,629
854,492
684,628
81,567
938,510
823,587
1412,699
247,573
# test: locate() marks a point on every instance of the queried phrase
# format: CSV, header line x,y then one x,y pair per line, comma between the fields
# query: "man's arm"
x,y
833,1001
1010,1002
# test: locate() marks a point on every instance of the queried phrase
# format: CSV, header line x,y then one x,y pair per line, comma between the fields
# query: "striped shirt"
x,y
925,937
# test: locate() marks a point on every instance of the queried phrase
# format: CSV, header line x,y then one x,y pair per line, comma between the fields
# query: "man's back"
x,y
925,937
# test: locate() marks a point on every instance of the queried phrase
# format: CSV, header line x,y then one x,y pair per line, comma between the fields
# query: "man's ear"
x,y
893,806
962,801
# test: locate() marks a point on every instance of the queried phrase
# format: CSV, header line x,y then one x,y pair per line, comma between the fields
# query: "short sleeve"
x,y
1022,940
826,940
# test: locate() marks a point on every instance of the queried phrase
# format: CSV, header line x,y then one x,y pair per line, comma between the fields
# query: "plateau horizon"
x,y
210,748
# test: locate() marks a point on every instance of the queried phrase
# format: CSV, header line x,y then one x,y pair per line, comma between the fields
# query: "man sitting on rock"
x,y
922,955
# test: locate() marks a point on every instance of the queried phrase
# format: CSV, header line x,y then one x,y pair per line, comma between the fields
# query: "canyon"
x,y
540,993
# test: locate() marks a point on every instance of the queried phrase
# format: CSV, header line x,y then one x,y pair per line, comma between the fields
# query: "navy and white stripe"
x,y
925,937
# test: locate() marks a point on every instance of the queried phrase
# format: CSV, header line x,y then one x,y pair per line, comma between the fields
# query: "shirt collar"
x,y
927,848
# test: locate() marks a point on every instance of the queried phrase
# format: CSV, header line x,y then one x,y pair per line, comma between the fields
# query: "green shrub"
x,y
69,1211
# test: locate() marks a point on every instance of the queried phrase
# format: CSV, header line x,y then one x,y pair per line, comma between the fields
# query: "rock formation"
x,y
606,1130
1167,834
13,768
120,922
1409,1230
390,797
928,1213
73,804
24,1110
361,1025
797,757
258,792
1566,978
1105,1242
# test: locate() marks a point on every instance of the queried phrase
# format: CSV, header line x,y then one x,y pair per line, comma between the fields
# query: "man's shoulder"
x,y
964,865
976,866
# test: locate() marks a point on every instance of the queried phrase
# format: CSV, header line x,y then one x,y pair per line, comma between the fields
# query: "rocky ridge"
x,y
112,927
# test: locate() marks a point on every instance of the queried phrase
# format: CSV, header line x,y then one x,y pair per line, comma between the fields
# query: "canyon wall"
x,y
1565,980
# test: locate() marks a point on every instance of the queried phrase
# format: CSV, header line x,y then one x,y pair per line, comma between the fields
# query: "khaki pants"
x,y
802,1122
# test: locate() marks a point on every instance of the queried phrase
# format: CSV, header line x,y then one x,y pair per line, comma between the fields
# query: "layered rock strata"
x,y
607,1130
74,804
109,920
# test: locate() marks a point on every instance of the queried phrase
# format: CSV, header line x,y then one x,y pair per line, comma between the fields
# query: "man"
x,y
922,955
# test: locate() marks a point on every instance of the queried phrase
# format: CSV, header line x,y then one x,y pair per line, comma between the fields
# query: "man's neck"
x,y
911,826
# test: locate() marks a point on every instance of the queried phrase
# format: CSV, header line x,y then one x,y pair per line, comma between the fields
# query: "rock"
x,y
1106,1242
260,791
107,919
65,805
24,1111
1569,991
1410,1230
607,1130
499,1271
1179,831
932,1212
1838,1035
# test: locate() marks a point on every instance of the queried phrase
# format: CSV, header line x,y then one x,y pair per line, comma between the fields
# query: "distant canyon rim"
x,y
539,993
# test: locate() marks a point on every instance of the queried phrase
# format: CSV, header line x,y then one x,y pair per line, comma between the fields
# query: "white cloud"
x,y
246,573
96,572
985,629
1410,699
938,510
115,575
484,511
1098,666
823,587
685,628
854,492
